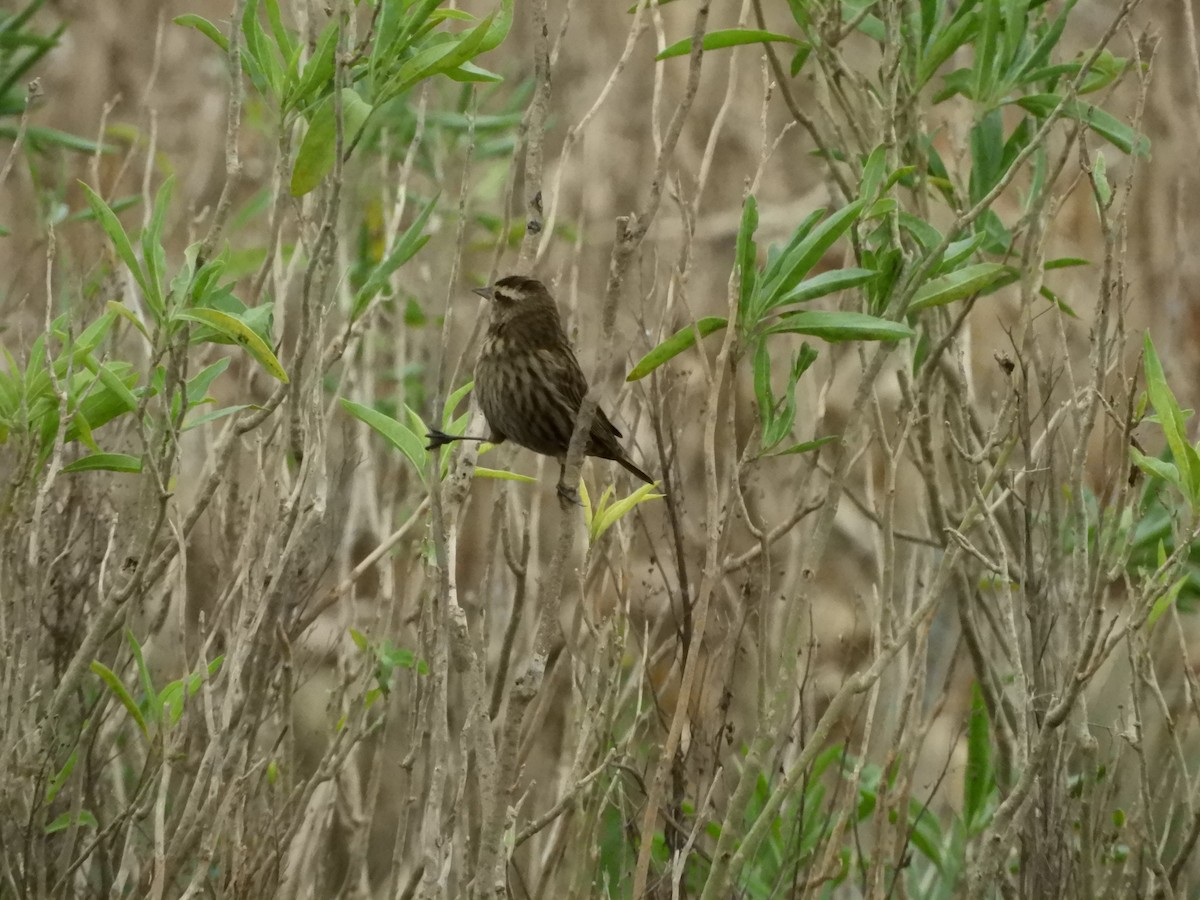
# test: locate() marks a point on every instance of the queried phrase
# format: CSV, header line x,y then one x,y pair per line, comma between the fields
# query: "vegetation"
x,y
907,614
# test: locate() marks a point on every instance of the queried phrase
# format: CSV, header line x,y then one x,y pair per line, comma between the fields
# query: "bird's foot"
x,y
568,495
438,439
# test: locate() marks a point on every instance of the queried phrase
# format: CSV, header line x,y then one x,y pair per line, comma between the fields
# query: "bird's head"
x,y
516,295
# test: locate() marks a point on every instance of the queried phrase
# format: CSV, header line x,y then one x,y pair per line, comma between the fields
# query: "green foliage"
x,y
407,47
731,37
386,658
410,439
607,511
764,297
904,265
67,370
22,46
154,710
1183,470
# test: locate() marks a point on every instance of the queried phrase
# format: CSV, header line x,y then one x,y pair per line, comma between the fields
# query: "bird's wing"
x,y
563,374
602,422
562,370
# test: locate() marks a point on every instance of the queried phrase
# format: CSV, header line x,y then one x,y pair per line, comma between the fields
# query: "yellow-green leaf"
x,y
239,332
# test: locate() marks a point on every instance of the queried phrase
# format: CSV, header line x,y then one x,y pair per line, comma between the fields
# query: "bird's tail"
x,y
630,467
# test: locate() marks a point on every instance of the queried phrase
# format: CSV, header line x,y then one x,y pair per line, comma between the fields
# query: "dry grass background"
x,y
124,64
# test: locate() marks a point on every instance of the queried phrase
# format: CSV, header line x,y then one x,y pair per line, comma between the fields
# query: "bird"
x,y
529,383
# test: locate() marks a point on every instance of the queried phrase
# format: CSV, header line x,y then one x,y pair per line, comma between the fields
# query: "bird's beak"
x,y
487,293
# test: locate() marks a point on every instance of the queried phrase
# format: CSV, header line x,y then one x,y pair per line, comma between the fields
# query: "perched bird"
x,y
528,381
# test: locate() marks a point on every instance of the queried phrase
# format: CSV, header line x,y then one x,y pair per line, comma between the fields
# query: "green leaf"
x,y
871,26
116,233
502,475
315,158
1171,419
826,283
203,419
283,38
985,51
170,700
958,251
965,282
111,381
405,249
880,208
91,337
108,462
1046,44
318,71
978,782
109,677
152,247
987,153
60,778
240,333
801,256
1065,262
926,235
452,402
806,446
835,327
469,73
399,435
674,345
447,55
198,384
762,385
144,674
958,32
800,58
731,37
1062,305
1104,124
206,28
1165,602
84,430
872,176
614,512
261,63
63,821
1158,468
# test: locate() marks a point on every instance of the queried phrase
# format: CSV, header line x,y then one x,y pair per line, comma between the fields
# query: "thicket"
x,y
258,641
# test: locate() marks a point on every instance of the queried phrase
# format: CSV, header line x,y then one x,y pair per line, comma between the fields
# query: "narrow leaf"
x,y
500,474
315,158
398,434
826,283
405,248
957,285
116,233
799,259
108,462
1170,417
206,28
731,37
674,345
840,326
109,677
63,821
806,446
1105,124
239,332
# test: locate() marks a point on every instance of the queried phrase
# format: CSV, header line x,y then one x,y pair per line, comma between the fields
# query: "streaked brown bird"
x,y
529,383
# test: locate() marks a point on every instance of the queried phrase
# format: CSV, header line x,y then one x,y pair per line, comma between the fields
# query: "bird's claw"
x,y
568,494
437,439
